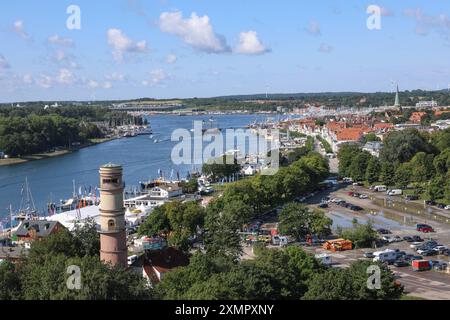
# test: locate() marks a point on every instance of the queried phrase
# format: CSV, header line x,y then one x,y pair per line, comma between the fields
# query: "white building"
x,y
427,104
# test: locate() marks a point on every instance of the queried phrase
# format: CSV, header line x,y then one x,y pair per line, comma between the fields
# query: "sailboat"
x,y
27,210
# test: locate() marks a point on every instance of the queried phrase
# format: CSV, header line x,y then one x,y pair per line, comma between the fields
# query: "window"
x,y
108,181
111,225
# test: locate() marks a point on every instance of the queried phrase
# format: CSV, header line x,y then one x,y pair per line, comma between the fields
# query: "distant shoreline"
x,y
49,155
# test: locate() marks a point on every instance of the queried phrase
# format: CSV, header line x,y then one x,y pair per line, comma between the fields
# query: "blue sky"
x,y
200,48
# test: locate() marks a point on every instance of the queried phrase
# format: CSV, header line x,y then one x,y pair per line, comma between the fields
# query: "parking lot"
x,y
426,284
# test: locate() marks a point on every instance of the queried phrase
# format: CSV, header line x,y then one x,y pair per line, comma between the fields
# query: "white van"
x,y
325,259
388,256
280,241
380,188
395,192
132,260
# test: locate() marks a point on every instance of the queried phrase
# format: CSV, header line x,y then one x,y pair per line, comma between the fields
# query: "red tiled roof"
x,y
350,134
383,126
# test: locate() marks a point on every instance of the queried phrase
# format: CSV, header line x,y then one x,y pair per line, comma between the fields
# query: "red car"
x,y
424,228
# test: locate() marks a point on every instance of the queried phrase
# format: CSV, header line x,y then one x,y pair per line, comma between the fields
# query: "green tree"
x,y
358,166
10,285
351,284
373,170
190,186
402,146
298,221
362,236
404,174
387,173
346,155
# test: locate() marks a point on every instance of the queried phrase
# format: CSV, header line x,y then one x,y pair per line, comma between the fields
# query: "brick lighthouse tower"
x,y
113,243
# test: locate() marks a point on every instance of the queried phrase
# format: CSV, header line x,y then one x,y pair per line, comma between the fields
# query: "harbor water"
x,y
51,180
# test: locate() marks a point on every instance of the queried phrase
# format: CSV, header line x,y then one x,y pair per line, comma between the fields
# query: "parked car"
x,y
401,263
440,205
446,252
323,205
411,197
369,255
447,207
416,245
383,231
363,196
408,239
356,208
424,228
417,239
439,265
440,249
430,202
428,253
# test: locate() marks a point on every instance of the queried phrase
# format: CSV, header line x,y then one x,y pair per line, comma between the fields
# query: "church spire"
x,y
397,98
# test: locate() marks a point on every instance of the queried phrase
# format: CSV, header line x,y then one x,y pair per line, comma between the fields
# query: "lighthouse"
x,y
113,242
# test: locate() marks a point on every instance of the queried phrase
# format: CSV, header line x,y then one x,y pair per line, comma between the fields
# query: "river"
x,y
52,179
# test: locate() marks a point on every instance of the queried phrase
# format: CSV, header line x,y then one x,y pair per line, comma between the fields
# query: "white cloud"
x,y
249,43
60,55
61,41
65,77
19,29
107,85
121,44
45,81
426,23
314,28
171,58
114,77
195,31
325,48
156,77
92,84
27,79
4,64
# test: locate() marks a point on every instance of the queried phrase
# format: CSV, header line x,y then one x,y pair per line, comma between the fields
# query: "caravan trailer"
x,y
388,256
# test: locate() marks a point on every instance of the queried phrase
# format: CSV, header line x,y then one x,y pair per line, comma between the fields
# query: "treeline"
x,y
409,159
329,99
33,129
43,275
240,203
288,274
20,136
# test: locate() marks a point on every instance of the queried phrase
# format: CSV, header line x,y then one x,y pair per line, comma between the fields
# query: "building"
x,y
416,117
113,241
426,104
157,263
32,230
373,147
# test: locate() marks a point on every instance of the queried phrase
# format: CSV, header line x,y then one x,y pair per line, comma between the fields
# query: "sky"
x,y
123,49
